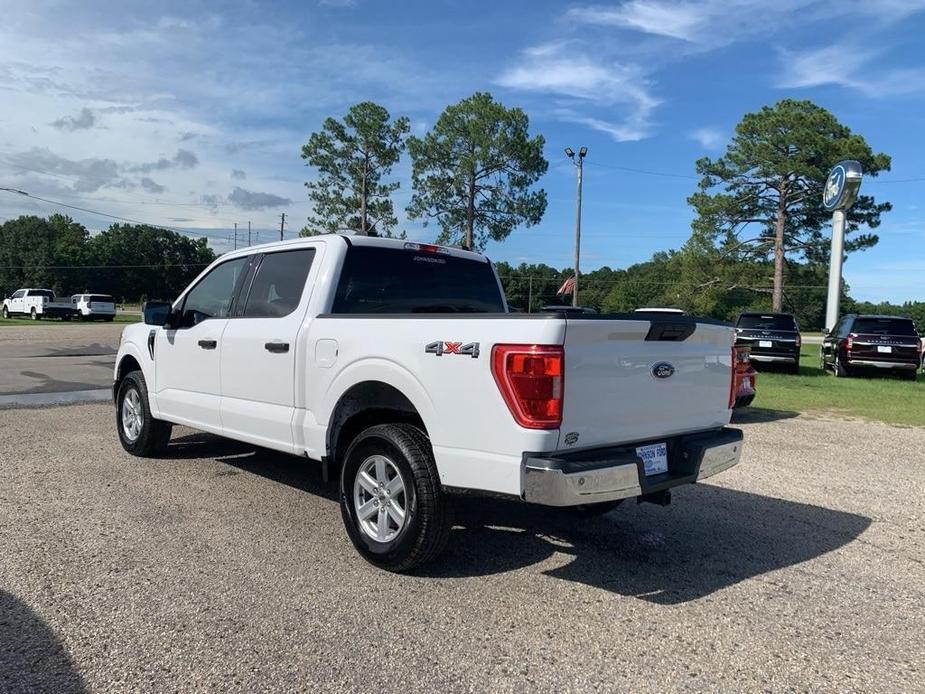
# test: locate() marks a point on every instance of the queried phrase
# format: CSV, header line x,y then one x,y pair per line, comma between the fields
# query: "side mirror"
x,y
156,312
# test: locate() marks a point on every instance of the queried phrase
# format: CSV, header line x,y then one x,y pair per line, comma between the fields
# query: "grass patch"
x,y
876,397
16,321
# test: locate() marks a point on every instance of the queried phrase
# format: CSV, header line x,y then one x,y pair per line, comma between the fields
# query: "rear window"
x,y
42,292
767,322
100,297
884,326
392,280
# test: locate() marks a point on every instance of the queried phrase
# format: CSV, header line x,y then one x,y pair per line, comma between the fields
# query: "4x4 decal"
x,y
470,349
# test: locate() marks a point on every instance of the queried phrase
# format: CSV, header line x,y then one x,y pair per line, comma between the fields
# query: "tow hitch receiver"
x,y
662,498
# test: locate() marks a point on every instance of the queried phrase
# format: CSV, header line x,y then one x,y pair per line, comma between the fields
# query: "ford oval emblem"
x,y
663,370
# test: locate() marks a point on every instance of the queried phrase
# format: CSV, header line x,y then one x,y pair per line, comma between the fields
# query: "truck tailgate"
x,y
638,378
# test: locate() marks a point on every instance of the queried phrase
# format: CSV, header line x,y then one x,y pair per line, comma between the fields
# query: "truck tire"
x,y
393,507
139,433
33,314
839,370
6,313
110,319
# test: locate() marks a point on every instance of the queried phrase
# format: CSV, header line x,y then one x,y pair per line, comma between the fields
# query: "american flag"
x,y
568,287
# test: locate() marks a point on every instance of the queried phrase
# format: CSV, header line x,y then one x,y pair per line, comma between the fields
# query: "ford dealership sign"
x,y
841,187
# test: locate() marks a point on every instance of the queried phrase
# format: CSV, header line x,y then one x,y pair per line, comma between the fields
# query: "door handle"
x,y
208,344
277,347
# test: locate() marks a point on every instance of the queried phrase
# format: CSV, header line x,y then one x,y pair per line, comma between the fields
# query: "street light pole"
x,y
579,165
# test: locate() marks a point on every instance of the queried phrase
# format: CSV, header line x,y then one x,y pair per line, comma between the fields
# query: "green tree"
x,y
474,171
352,157
145,262
529,287
772,176
39,252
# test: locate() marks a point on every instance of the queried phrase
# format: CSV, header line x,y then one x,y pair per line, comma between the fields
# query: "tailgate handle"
x,y
673,330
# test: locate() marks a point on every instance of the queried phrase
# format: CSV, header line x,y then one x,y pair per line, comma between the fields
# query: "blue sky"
x,y
192,114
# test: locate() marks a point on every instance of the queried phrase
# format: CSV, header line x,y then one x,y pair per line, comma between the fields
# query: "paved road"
x,y
57,358
225,568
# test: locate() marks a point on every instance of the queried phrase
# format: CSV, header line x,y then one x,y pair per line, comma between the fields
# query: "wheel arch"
x,y
361,406
130,359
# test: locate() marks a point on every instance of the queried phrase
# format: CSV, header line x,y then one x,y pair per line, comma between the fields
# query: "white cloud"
x,y
583,84
721,22
161,82
708,138
674,20
847,66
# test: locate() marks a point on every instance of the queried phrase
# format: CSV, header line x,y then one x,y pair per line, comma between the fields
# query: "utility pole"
x,y
282,223
248,233
582,152
236,236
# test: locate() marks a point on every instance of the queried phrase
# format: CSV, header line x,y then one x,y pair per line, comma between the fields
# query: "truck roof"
x,y
358,240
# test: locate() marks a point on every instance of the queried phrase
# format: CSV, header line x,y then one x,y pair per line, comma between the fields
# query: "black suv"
x,y
773,338
872,342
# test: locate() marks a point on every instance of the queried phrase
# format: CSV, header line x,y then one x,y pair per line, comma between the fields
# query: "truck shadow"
x,y
760,415
242,457
32,658
708,539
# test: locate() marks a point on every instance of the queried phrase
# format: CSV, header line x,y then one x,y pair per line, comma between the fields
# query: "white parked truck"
x,y
37,303
398,367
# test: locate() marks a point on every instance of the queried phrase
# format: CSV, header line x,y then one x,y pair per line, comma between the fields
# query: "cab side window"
x,y
277,287
18,294
212,296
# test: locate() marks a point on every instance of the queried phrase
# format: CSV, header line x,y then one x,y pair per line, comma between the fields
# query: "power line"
x,y
643,171
165,203
100,267
188,232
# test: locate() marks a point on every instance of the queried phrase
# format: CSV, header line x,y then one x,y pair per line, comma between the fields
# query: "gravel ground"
x,y
56,358
226,568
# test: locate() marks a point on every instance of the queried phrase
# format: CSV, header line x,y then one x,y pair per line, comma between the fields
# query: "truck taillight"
x,y
531,381
741,365
799,340
849,343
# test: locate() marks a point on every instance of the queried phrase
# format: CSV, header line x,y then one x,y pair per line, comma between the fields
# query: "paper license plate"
x,y
765,343
654,458
884,349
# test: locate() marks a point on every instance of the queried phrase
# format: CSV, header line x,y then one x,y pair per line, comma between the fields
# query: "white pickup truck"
x,y
37,303
398,367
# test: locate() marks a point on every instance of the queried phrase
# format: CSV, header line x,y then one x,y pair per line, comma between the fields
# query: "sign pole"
x,y
836,256
839,194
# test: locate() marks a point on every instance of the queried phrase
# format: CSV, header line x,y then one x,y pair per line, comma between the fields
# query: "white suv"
x,y
91,306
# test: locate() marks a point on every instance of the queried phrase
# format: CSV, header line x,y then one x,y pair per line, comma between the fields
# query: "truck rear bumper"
x,y
588,476
774,358
878,364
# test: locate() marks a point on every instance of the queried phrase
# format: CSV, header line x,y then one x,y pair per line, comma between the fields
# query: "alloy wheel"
x,y
380,498
132,416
